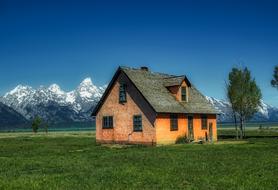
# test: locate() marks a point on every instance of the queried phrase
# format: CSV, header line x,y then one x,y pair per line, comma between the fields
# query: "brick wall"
x,y
123,116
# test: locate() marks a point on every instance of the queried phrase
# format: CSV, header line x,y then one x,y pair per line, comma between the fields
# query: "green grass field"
x,y
72,160
253,132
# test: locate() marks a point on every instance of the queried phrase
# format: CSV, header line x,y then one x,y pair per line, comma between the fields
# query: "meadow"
x,y
72,160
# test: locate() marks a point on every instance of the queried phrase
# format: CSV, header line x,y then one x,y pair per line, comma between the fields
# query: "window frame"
x,y
137,127
204,122
174,122
122,93
184,95
107,122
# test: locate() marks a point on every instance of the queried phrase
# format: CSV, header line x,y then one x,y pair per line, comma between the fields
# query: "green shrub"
x,y
183,140
36,124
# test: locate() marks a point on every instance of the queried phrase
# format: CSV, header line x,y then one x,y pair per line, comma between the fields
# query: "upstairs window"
x,y
107,122
122,93
174,122
204,122
183,94
137,123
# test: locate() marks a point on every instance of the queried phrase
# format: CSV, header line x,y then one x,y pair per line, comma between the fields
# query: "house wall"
x,y
200,133
123,116
165,136
163,133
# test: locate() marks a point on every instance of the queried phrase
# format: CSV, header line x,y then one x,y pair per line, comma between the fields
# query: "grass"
x,y
72,160
253,132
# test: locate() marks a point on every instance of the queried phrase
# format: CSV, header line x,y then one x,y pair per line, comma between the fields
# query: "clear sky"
x,y
44,42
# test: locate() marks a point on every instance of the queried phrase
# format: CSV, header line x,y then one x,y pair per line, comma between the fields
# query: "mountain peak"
x,y
87,81
19,89
53,103
55,88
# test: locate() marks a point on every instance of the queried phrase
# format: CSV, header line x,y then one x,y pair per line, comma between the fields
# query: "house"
x,y
144,107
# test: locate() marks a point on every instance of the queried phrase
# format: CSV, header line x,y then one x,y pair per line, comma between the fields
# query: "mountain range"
x,y
266,113
54,105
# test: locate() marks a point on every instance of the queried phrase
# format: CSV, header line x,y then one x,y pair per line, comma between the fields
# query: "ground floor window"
x,y
107,122
174,122
137,123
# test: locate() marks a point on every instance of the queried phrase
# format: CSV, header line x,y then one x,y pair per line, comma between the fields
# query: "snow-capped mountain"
x,y
265,111
86,95
54,104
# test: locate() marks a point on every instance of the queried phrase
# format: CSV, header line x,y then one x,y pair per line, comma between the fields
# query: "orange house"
x,y
144,107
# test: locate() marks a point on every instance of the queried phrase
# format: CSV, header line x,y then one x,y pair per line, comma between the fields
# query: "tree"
x,y
36,124
244,95
274,81
46,127
231,93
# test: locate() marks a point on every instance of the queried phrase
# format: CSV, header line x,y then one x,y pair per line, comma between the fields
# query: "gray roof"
x,y
173,80
153,87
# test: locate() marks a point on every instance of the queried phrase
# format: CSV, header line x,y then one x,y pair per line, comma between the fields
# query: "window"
x,y
173,122
107,122
204,122
122,93
183,94
137,123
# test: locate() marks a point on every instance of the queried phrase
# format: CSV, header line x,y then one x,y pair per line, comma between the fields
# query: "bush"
x,y
183,140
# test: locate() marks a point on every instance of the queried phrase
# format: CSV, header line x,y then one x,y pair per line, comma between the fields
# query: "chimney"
x,y
144,68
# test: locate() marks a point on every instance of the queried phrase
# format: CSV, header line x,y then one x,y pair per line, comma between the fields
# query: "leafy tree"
x,y
231,94
274,81
244,95
36,124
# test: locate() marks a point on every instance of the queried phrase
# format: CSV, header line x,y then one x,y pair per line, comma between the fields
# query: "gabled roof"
x,y
153,87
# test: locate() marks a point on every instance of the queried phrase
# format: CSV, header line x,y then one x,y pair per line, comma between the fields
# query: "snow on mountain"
x,y
70,97
265,111
19,94
87,90
54,88
49,102
56,105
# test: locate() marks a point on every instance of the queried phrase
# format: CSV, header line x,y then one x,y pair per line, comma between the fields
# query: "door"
x,y
210,132
190,128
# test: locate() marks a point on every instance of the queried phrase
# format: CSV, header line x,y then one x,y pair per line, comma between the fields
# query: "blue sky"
x,y
44,42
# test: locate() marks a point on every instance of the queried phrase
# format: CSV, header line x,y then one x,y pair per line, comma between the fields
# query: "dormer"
x,y
179,87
